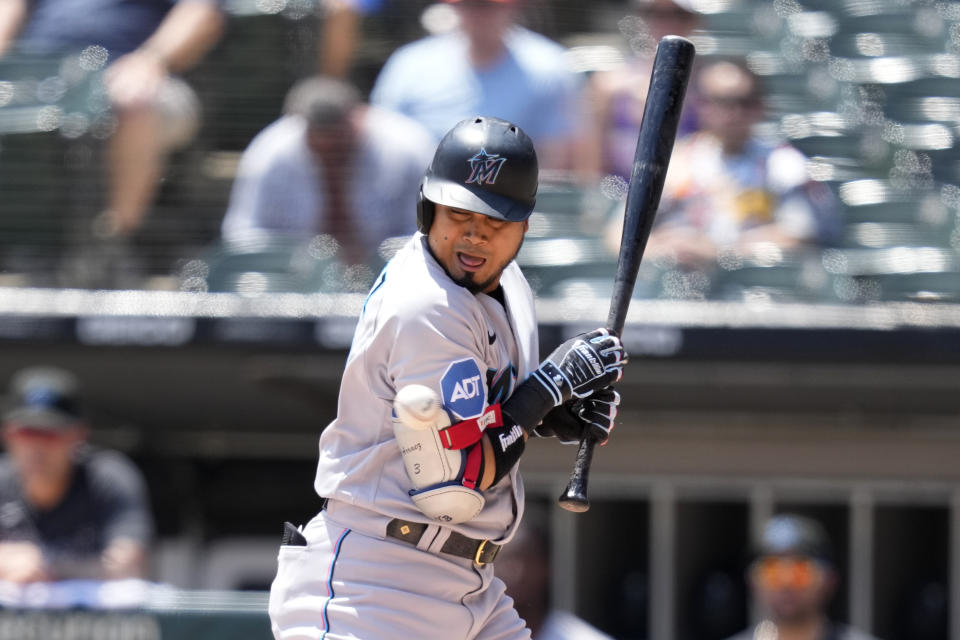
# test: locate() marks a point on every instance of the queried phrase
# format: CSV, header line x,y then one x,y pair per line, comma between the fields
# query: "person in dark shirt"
x,y
67,509
793,577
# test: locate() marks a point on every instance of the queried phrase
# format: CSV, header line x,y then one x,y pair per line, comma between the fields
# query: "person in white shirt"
x,y
330,165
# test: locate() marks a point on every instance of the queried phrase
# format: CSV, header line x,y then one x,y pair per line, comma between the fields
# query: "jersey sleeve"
x,y
563,117
269,192
390,88
249,207
436,345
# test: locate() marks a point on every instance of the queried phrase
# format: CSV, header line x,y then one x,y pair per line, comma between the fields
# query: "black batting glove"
x,y
575,369
570,421
581,365
598,413
561,423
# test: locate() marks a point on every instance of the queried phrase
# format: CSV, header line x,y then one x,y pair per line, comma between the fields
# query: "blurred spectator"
x,y
488,65
728,190
67,510
331,165
524,566
144,42
340,33
616,97
793,578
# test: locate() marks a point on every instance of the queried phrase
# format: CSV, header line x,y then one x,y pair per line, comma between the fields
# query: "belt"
x,y
480,551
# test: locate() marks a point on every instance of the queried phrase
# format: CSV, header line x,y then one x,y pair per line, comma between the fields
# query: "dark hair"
x,y
321,100
758,90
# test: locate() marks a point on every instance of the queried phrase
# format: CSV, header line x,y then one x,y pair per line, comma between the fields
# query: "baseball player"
x,y
442,387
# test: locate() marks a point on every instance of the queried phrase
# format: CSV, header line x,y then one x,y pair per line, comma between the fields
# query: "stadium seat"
x,y
277,264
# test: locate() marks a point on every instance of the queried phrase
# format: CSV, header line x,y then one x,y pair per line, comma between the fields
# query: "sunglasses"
x,y
787,573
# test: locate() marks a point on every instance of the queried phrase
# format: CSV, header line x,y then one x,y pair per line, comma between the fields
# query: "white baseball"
x,y
417,406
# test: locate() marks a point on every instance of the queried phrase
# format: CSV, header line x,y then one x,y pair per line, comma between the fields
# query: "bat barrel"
x,y
658,129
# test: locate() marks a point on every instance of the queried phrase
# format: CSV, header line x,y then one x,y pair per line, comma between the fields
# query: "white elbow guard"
x,y
450,503
444,461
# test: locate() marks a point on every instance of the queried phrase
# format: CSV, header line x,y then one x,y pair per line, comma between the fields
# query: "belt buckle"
x,y
479,553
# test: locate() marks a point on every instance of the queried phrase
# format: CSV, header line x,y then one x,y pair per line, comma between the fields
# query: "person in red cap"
x,y
67,510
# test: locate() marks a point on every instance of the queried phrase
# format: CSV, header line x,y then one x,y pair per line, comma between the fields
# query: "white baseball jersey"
x,y
419,327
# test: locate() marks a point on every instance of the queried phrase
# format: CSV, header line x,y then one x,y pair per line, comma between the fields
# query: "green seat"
x,y
546,262
276,264
940,286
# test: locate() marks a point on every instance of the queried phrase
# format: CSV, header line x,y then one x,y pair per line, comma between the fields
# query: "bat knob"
x,y
574,497
573,501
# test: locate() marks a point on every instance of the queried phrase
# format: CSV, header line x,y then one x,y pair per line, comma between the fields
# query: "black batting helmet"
x,y
483,164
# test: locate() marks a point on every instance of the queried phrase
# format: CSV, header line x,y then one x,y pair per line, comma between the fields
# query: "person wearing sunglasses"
x,y
793,577
730,192
68,510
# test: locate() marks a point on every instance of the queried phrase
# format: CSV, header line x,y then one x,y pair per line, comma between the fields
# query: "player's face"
x,y
42,455
792,588
485,23
731,105
666,17
474,249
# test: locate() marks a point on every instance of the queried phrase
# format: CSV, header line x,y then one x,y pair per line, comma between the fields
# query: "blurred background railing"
x,y
821,379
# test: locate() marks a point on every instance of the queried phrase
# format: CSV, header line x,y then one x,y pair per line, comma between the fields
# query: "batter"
x,y
416,509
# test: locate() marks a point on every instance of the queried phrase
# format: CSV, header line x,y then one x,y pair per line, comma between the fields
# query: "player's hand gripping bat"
x,y
658,129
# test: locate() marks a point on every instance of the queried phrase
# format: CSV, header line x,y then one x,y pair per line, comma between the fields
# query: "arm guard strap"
x,y
508,442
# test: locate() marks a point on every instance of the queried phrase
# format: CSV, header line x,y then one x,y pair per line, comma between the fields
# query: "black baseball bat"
x,y
658,129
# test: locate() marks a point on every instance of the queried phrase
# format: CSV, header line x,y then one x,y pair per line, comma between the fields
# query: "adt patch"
x,y
463,390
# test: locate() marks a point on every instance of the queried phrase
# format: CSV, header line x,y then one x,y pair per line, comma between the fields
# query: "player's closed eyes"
x,y
465,216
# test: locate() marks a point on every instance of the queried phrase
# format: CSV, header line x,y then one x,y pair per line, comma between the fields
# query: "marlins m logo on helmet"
x,y
485,167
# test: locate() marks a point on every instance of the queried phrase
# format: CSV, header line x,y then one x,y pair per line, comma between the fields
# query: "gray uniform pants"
x,y
345,584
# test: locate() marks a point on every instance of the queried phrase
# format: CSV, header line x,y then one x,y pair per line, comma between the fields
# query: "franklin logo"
x,y
588,355
507,439
484,168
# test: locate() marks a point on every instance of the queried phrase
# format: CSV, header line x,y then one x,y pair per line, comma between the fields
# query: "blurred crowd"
x,y
333,172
